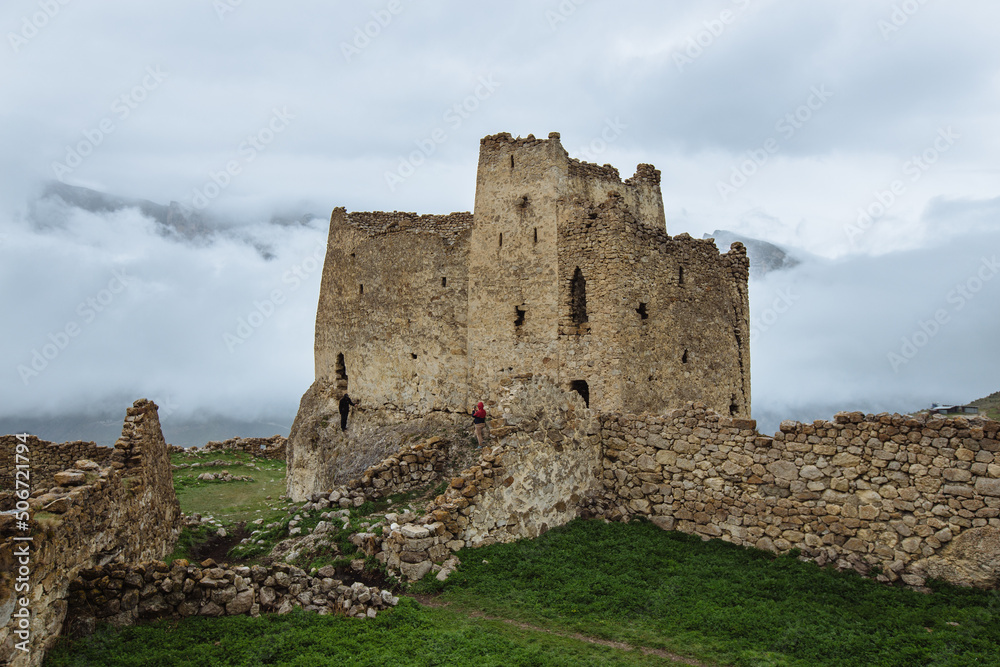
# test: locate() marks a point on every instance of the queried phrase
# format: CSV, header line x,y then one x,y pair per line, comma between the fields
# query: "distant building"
x,y
938,409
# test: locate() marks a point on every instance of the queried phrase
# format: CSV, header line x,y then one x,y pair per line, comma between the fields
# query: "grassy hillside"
x,y
989,406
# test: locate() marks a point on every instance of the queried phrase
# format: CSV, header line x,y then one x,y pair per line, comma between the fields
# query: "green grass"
x,y
719,602
407,635
231,502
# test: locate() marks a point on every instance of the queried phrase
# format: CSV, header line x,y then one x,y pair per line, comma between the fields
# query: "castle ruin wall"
x,y
122,508
861,491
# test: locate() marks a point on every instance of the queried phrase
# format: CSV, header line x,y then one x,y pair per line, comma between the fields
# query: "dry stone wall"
x,y
268,448
412,467
124,508
125,594
861,491
47,458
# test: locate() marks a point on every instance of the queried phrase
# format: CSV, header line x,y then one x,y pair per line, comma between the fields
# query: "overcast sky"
x,y
862,134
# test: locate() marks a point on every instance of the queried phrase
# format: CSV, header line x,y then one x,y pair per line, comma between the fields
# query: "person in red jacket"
x,y
479,420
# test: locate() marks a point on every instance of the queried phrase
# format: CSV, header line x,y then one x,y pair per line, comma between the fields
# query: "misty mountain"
x,y
764,257
173,217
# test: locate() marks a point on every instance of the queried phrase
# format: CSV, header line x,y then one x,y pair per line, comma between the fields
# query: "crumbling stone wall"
x,y
124,594
412,467
861,491
47,458
124,509
268,448
541,466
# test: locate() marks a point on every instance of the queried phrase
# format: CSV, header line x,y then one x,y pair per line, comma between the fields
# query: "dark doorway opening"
x,y
580,387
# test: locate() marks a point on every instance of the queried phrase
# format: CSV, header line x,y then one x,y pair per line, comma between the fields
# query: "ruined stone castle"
x,y
614,361
563,271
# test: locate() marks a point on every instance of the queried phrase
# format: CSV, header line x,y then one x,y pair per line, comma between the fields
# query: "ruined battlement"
x,y
381,223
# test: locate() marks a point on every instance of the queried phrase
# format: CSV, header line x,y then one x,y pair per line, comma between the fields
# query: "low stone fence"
x,y
861,491
123,507
268,448
124,594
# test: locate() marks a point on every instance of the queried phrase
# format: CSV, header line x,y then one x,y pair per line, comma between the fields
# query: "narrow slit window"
x,y
518,316
641,310
578,297
511,161
684,357
361,289
536,234
444,281
501,239
680,275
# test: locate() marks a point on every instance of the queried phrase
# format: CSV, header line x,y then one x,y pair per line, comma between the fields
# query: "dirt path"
x,y
434,601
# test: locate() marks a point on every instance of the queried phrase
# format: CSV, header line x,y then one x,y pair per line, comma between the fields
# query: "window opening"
x,y
642,311
413,355
501,239
511,161
444,281
578,297
580,387
536,234
361,289
684,357
680,275
518,316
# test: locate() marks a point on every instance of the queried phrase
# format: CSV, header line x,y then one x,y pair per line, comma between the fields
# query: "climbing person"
x,y
479,420
345,408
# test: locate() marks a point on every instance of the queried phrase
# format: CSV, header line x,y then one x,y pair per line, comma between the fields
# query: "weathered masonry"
x,y
564,271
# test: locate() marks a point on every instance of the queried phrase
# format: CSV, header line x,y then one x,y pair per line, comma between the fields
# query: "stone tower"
x,y
572,275
564,271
